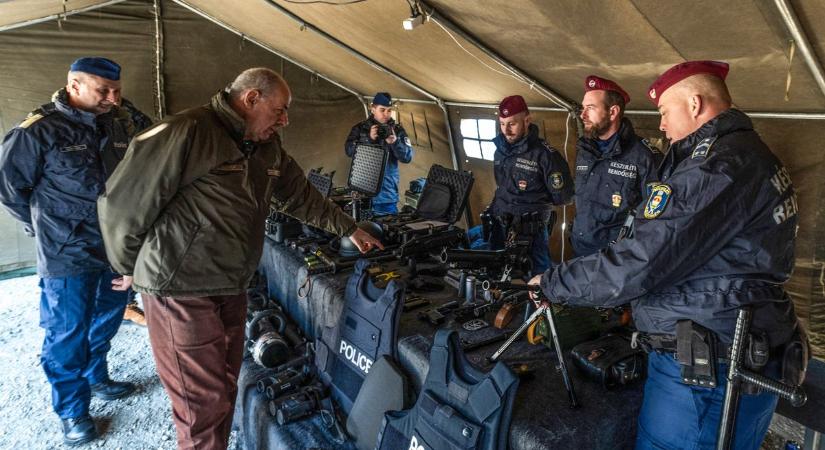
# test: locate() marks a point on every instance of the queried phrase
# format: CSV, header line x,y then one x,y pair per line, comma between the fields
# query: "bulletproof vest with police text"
x,y
459,406
367,330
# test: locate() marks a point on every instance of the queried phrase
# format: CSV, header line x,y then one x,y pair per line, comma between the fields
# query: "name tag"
x,y
74,148
121,145
230,168
273,172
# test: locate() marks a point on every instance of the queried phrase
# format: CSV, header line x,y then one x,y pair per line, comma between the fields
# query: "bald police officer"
x,y
716,234
612,167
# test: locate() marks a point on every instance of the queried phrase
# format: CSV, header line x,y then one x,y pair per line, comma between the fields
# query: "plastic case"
x,y
366,173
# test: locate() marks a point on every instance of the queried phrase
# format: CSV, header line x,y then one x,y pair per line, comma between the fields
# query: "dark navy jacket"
x,y
401,151
608,186
717,233
53,166
530,175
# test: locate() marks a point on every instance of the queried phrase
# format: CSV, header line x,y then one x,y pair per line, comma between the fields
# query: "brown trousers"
x,y
198,343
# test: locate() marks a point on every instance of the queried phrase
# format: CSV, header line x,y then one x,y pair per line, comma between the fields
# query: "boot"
x,y
78,430
134,314
112,390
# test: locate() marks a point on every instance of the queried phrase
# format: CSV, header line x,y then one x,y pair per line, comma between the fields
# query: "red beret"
x,y
594,83
681,71
511,106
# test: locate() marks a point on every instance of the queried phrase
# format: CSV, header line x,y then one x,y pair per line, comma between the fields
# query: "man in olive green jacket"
x,y
189,233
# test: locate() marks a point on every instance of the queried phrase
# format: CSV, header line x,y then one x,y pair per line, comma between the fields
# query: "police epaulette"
x,y
703,147
37,114
651,147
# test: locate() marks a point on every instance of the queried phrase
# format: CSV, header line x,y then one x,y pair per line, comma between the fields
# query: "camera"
x,y
384,131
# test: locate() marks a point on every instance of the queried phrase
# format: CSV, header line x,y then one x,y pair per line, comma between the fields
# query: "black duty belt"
x,y
666,343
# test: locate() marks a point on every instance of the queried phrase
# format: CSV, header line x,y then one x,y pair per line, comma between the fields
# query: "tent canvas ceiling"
x,y
557,43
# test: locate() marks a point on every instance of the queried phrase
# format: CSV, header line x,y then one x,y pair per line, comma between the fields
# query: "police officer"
x,y
716,234
53,166
531,176
612,166
394,140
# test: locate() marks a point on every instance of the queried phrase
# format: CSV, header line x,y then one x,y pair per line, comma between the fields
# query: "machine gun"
x,y
543,309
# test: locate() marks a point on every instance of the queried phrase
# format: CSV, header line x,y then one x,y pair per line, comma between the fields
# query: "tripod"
x,y
543,309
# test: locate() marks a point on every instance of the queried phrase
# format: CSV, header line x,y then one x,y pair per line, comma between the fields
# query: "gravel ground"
x,y
140,421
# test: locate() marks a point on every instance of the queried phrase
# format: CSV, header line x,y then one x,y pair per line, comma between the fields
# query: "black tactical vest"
x,y
367,330
459,407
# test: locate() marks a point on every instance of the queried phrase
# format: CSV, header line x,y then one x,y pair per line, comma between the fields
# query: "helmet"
x,y
348,248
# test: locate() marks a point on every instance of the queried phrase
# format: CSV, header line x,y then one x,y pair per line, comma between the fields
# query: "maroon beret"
x,y
683,70
594,83
511,106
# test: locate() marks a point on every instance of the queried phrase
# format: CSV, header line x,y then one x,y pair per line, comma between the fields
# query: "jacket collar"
x,y
520,146
230,119
626,137
725,123
61,103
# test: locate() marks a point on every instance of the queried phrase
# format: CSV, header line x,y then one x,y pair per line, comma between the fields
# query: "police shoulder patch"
x,y
556,180
658,200
703,147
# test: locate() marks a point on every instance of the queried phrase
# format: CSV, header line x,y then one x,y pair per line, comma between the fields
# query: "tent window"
x,y
478,137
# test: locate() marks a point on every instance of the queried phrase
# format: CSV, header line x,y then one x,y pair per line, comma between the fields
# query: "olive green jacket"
x,y
184,211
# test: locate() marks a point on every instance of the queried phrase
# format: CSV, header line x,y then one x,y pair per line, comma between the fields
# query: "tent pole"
x,y
159,58
358,95
433,14
798,34
640,112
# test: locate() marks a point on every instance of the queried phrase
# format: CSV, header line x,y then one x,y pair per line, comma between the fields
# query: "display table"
x,y
542,417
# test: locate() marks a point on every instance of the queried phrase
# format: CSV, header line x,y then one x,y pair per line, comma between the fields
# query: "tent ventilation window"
x,y
477,136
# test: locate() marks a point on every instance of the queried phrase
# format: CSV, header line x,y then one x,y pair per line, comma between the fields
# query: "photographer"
x,y
381,129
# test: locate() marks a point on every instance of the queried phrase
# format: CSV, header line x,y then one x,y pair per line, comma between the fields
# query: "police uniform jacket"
x,y
53,166
530,175
717,232
399,151
193,224
608,186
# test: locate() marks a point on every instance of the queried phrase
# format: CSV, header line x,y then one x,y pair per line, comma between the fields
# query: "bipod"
x,y
543,309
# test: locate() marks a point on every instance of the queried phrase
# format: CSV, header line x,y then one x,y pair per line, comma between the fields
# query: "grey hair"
x,y
80,76
260,78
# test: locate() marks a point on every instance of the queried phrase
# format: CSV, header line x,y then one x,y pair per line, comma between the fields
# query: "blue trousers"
x,y
539,251
382,209
81,314
677,416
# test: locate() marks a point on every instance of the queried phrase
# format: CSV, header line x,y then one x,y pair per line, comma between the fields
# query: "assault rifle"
x,y
492,262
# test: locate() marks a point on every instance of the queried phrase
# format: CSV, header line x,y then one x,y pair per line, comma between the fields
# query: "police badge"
x,y
659,196
556,180
616,198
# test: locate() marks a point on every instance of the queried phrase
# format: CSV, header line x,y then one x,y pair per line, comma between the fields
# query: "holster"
x,y
795,358
610,360
696,352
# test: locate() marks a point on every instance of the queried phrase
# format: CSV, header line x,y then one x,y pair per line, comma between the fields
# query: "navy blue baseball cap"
x,y
382,98
101,67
